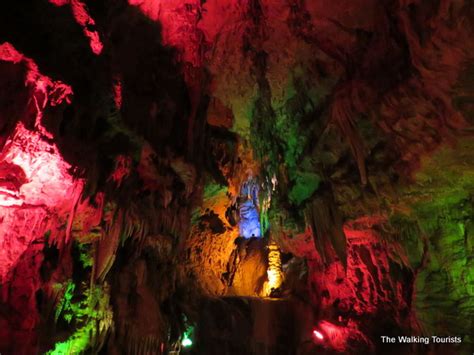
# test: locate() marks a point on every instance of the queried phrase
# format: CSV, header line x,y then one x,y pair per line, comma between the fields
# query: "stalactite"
x,y
342,114
324,219
76,195
274,270
107,247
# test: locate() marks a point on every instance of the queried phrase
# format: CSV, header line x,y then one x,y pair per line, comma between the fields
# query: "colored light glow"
x,y
94,313
117,88
335,336
48,179
33,173
179,25
249,224
318,334
187,335
274,271
9,198
95,42
187,342
122,169
82,17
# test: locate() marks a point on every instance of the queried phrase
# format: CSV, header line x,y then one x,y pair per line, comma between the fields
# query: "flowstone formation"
x,y
236,177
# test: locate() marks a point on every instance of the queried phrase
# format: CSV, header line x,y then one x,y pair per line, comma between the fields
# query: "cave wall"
x,y
128,127
86,166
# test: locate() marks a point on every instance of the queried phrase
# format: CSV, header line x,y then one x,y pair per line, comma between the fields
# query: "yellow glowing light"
x,y
274,271
318,334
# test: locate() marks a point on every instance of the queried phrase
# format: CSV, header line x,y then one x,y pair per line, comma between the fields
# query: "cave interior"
x,y
233,177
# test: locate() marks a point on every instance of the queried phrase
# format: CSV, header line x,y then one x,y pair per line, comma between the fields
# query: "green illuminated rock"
x,y
305,185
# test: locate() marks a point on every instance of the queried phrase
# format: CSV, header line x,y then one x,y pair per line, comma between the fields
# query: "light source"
x,y
318,335
186,342
274,272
